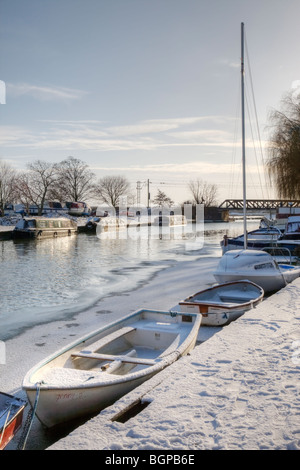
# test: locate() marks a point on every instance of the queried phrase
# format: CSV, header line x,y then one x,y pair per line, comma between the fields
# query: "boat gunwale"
x,y
28,385
19,403
221,304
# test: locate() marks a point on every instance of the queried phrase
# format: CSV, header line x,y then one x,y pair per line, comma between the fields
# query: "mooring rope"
x,y
29,419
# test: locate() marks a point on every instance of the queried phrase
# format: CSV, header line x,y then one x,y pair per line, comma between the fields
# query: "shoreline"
x,y
236,391
36,343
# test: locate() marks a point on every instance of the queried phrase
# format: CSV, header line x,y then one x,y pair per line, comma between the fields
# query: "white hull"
x,y
92,373
57,406
268,283
224,303
256,266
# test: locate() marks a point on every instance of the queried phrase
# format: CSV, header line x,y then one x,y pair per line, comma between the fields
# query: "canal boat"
x,y
223,303
90,374
44,227
11,417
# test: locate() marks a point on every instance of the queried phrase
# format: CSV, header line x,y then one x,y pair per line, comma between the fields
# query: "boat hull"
x,y
268,283
39,234
256,266
11,417
79,390
58,406
217,310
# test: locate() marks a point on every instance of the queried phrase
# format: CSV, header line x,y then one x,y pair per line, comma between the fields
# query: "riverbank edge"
x,y
237,390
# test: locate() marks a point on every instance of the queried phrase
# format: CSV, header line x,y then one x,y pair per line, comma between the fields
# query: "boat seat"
x,y
235,298
216,304
109,338
110,357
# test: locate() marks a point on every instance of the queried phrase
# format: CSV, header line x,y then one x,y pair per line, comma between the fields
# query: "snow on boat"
x,y
256,240
95,371
256,266
223,303
11,416
44,227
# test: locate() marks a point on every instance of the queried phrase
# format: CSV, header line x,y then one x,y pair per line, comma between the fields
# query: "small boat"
x,y
292,229
256,266
223,303
256,239
44,227
78,209
109,227
92,373
283,214
169,220
291,238
11,417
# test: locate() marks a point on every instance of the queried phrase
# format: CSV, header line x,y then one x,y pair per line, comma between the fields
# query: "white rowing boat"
x,y
90,374
223,303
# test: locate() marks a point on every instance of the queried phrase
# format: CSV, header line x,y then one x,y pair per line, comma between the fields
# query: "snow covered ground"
x,y
239,389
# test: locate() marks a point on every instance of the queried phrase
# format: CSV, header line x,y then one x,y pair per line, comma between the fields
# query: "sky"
x,y
147,89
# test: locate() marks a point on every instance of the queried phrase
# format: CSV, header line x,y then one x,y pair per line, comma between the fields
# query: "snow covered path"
x,y
239,389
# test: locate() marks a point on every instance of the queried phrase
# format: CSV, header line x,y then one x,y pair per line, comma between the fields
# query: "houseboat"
x,y
43,227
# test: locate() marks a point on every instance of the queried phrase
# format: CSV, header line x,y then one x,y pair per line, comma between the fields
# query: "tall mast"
x,y
243,133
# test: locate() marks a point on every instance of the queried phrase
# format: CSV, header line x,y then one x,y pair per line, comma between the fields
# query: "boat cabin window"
x,y
264,266
30,223
293,227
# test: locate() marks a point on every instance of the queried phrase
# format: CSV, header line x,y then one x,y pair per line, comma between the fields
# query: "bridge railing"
x,y
258,204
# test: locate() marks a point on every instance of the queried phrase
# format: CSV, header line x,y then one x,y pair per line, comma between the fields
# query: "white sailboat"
x,y
247,263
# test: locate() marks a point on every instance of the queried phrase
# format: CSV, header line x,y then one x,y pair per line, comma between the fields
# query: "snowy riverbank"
x,y
239,390
162,291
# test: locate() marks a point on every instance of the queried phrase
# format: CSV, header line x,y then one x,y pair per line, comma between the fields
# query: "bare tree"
x,y
203,192
74,181
110,189
8,180
284,148
34,185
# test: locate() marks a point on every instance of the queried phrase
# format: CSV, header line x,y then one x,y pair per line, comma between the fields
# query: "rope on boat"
x,y
29,419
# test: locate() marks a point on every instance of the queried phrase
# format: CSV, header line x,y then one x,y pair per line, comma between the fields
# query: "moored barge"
x,y
43,227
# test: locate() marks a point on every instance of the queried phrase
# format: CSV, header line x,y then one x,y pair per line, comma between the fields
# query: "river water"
x,y
53,279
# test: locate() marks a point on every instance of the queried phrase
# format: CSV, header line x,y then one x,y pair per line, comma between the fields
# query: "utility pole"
x,y
148,191
138,188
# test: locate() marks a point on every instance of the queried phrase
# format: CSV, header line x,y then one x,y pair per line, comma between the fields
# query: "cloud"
x,y
44,93
187,168
147,135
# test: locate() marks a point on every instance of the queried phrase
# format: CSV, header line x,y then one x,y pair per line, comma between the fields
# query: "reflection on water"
x,y
54,278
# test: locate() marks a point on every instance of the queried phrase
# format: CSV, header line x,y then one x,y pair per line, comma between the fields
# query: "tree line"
x,y
72,180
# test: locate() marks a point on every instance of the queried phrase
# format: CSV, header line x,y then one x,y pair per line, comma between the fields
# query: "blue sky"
x,y
149,89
